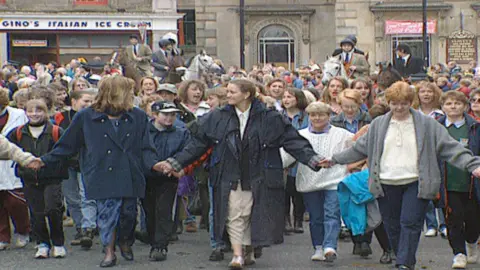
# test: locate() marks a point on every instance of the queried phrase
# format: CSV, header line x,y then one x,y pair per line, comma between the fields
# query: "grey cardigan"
x,y
433,142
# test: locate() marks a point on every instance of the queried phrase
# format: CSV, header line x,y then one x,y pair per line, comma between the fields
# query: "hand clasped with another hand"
x,y
166,168
35,164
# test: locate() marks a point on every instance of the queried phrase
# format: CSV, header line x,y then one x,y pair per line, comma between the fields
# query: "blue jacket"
x,y
474,146
353,196
167,142
112,162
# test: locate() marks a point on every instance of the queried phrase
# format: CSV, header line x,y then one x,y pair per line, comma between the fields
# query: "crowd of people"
x,y
234,148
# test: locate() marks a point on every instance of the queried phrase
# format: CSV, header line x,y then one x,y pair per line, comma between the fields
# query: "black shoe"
x,y
142,237
126,251
110,263
87,240
298,228
344,234
386,257
216,256
227,249
257,252
356,249
403,267
158,255
77,238
288,225
365,249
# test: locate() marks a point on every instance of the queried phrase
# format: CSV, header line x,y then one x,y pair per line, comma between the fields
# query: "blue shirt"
x,y
325,130
353,126
299,121
298,83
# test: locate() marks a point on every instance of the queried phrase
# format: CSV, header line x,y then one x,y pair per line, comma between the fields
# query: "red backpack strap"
x,y
59,118
19,133
55,133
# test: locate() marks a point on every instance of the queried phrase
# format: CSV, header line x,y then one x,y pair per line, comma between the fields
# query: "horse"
x,y
199,65
387,76
333,67
129,67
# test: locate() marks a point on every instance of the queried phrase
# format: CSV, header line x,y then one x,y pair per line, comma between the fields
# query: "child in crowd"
x,y
161,190
461,208
43,189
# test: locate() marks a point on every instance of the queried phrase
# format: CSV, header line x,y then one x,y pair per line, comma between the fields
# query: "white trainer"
x,y
42,251
59,252
431,233
3,245
22,240
459,261
318,255
472,253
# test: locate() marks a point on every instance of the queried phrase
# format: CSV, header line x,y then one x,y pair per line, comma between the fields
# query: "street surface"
x,y
192,252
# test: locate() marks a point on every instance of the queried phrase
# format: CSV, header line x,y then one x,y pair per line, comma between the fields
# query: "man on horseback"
x,y
141,55
161,59
356,65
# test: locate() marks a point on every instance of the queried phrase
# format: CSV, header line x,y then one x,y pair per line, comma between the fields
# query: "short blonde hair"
x,y
220,93
350,94
455,95
318,107
400,91
4,97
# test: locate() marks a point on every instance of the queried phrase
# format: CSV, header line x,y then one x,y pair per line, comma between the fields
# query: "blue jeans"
x,y
71,192
88,207
403,215
214,244
324,210
431,217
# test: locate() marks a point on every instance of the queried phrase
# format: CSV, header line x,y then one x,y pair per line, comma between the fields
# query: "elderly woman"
x,y
404,148
112,137
245,167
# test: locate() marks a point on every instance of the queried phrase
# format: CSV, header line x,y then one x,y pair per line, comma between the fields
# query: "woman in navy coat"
x,y
115,149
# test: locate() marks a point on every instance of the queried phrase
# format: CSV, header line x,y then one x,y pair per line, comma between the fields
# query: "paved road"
x,y
192,252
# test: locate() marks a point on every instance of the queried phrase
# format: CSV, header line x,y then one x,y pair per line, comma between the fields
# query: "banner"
x,y
409,27
55,24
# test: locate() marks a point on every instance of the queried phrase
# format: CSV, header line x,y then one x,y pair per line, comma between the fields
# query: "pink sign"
x,y
409,27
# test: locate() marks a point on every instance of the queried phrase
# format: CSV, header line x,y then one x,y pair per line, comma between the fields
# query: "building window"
x,y
276,44
90,2
187,24
415,43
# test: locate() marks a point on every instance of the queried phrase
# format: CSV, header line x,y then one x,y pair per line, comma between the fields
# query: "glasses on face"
x,y
475,100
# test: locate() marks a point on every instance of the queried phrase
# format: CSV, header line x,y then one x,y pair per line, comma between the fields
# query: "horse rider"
x,y
353,38
161,59
141,55
406,63
356,65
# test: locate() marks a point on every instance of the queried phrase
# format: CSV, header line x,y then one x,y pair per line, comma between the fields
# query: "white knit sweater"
x,y
334,141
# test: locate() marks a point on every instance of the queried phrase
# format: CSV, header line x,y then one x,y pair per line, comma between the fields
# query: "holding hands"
x,y
35,164
166,168
326,163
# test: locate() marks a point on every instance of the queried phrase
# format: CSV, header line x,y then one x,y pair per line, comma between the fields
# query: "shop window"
x,y
73,41
414,42
90,2
188,37
105,41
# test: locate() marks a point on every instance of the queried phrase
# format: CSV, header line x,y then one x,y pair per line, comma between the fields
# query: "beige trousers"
x,y
239,216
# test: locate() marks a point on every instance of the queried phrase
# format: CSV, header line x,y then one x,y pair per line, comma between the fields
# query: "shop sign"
x,y
409,27
69,24
462,47
29,43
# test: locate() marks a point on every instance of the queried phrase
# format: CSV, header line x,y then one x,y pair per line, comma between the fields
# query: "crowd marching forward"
x,y
124,156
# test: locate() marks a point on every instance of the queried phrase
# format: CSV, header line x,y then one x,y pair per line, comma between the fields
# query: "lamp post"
x,y
242,34
425,34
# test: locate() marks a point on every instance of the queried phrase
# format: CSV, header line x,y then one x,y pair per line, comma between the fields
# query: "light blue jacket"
x,y
353,196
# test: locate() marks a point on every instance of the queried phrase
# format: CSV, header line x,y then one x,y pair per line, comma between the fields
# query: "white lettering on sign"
x,y
72,24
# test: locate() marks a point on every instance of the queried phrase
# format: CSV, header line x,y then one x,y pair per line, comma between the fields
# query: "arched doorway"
x,y
276,44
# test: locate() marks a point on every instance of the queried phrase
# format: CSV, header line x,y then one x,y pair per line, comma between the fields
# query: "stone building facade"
x,y
291,32
46,30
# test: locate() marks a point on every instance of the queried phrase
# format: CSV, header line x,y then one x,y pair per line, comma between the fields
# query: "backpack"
x,y
55,133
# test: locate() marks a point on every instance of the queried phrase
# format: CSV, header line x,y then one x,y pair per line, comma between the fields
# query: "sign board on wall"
x,y
29,43
71,24
462,47
409,27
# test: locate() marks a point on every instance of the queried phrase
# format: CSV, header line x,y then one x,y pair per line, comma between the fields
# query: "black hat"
x,y
164,107
347,41
352,38
133,36
164,42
